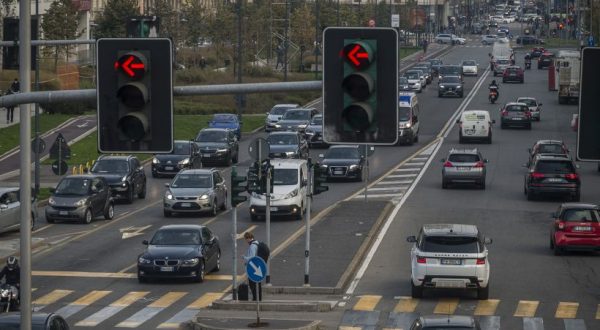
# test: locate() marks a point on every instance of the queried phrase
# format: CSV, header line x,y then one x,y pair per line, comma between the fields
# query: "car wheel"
x,y
167,214
558,251
482,184
462,95
444,184
130,195
489,138
87,216
417,137
200,275
416,291
300,215
154,175
214,209
551,243
142,194
483,293
502,126
224,205
598,167
109,212
439,95
49,220
522,81
218,264
529,126
504,80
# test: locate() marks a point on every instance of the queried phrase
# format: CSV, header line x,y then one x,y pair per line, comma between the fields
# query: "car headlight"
x,y
353,167
458,87
302,126
220,151
155,161
51,201
277,126
292,194
205,196
191,262
184,161
324,166
169,195
290,153
123,179
80,202
4,293
144,261
442,86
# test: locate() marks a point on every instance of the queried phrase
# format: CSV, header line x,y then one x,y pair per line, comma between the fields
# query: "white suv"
x,y
449,256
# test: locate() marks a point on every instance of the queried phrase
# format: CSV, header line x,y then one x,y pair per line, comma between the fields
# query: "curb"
x,y
199,325
273,306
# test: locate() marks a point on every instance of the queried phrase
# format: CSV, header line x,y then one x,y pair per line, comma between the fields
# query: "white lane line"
x,y
420,158
415,163
412,169
394,182
377,196
396,176
427,151
387,189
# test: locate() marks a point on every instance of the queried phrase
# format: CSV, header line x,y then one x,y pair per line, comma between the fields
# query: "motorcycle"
x,y
527,64
9,298
493,96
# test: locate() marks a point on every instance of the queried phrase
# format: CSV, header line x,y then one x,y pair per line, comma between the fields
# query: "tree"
x,y
194,14
303,26
60,23
111,22
169,20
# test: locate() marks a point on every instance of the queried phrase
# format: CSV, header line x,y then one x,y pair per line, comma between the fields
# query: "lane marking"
x,y
205,300
387,189
446,306
377,195
81,303
112,309
396,176
396,182
406,305
367,303
51,297
151,310
566,310
250,229
577,324
526,308
533,323
415,163
212,277
412,169
487,307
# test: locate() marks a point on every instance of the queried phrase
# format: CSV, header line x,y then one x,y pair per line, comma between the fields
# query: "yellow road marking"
x,y
82,274
167,325
406,305
90,298
127,268
205,300
487,307
566,310
250,229
129,298
446,306
349,328
526,308
598,313
52,297
168,299
367,303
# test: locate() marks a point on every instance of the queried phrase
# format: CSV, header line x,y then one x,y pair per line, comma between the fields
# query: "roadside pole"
x,y
268,218
307,215
367,179
234,239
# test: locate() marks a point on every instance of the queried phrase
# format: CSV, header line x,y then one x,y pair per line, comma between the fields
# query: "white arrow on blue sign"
x,y
256,269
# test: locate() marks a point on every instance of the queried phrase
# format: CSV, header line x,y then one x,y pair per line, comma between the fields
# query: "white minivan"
x,y
475,125
289,195
408,117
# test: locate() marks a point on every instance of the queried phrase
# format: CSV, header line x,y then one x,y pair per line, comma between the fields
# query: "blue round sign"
x,y
256,269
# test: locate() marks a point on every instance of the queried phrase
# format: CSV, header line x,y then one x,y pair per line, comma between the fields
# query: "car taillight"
x,y
481,261
478,164
572,176
528,114
504,113
559,225
505,74
537,175
448,164
421,260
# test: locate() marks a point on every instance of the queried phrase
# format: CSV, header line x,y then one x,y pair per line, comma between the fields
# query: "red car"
x,y
513,73
576,227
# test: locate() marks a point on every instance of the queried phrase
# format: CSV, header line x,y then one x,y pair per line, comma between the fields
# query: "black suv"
x,y
552,174
218,146
124,174
80,198
185,154
547,147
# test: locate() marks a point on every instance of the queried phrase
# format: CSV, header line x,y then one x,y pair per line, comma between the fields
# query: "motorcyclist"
x,y
527,60
11,273
494,85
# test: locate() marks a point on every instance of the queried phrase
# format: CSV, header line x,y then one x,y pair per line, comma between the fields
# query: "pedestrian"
x,y
202,62
10,109
251,253
425,43
15,87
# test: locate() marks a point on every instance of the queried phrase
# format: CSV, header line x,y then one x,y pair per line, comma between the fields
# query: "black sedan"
x,y
185,154
451,86
39,321
343,162
218,146
314,131
287,145
180,251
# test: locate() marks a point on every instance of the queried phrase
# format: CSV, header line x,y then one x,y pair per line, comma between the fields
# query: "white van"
x,y
475,125
408,116
289,195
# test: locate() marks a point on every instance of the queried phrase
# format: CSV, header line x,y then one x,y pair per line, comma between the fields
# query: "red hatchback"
x,y
576,227
513,73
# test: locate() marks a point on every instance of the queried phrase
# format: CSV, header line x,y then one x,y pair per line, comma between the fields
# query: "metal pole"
x,y
338,12
367,180
240,106
25,155
37,106
234,239
268,218
307,215
317,23
285,41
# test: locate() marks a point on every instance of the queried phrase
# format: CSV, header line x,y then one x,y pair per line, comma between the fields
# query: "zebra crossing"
x,y
378,312
132,309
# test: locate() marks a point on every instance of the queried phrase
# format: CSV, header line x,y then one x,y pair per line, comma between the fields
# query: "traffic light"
x,y
238,186
360,85
319,178
588,141
142,26
254,179
135,95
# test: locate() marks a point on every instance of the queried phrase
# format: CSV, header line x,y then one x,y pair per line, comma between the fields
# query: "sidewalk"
x,y
16,116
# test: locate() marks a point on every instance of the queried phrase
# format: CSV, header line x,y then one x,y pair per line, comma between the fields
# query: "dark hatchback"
x,y
314,132
450,70
513,73
343,162
552,174
124,174
39,321
403,84
287,145
450,86
544,147
227,120
217,146
435,64
515,114
180,251
185,154
545,60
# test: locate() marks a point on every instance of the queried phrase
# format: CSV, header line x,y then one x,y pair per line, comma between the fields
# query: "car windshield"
x,y
73,186
342,153
192,181
463,158
560,167
296,115
212,136
176,237
285,176
550,149
449,70
402,81
516,108
224,118
580,215
436,62
502,62
450,80
469,63
181,148
450,244
282,139
403,113
412,75
279,110
111,166
529,102
317,120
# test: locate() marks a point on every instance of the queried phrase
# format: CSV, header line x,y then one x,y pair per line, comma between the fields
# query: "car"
x,y
493,24
500,64
195,191
408,118
477,28
10,209
488,39
515,114
185,154
449,256
513,73
287,145
443,322
475,125
451,86
217,146
124,174
227,120
554,147
504,29
450,70
470,67
537,51
497,19
552,174
502,37
459,40
422,77
545,60
435,64
39,321
80,198
314,131
534,106
180,251
427,70
414,80
403,84
295,119
529,40
343,162
444,38
276,113
464,166
576,227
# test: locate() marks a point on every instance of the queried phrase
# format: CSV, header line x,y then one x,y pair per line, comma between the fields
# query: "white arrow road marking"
x,y
257,270
133,231
85,123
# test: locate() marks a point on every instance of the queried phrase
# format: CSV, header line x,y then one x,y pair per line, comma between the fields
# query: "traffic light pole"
x,y
268,218
235,258
367,179
307,215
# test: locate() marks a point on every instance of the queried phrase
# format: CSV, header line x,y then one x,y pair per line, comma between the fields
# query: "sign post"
x,y
256,269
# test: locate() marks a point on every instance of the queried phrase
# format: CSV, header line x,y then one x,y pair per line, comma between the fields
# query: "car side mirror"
x,y
442,160
487,240
145,242
167,184
411,239
540,104
486,161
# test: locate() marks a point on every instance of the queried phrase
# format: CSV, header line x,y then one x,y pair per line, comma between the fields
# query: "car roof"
x,y
82,176
474,151
580,205
287,163
447,320
198,171
286,105
560,157
479,112
450,230
283,133
526,98
549,142
515,103
182,226
340,146
118,157
7,189
214,129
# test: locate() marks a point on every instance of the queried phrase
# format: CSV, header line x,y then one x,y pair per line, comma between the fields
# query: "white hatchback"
x,y
451,256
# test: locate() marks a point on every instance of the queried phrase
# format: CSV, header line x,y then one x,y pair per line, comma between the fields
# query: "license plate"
x,y
338,172
555,180
582,228
63,212
517,118
463,168
168,168
450,284
206,155
186,204
274,209
513,74
469,131
166,269
451,262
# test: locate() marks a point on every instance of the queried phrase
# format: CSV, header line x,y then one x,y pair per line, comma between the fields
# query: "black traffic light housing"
x,y
360,85
135,95
238,186
588,136
319,179
254,179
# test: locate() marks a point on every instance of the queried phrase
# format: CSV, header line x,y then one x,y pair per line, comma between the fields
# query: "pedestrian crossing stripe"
x,y
487,307
191,310
397,176
378,195
526,308
81,303
367,303
395,182
112,309
566,310
50,298
406,305
151,310
409,169
446,306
